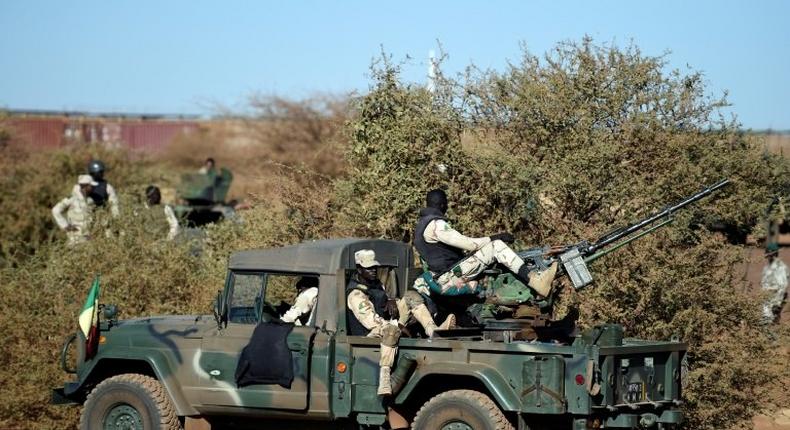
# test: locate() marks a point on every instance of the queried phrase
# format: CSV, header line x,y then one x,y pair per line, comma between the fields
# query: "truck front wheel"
x,y
461,410
129,401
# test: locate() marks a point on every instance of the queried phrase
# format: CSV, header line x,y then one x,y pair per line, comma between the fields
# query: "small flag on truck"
x,y
89,320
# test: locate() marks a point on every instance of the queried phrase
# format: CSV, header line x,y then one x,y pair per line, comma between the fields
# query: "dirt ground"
x,y
778,419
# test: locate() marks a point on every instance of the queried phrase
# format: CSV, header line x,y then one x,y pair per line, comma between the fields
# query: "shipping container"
x,y
136,132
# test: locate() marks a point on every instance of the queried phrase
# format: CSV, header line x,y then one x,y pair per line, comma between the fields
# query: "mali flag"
x,y
89,320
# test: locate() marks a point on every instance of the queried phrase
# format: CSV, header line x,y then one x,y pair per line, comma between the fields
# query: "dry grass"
x,y
288,160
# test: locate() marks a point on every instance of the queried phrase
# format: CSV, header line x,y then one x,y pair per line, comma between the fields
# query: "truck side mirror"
x,y
219,310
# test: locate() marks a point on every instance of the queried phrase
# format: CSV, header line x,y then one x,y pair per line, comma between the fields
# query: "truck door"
x,y
252,298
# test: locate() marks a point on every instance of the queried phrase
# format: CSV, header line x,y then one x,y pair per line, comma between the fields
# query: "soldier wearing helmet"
x,y
103,192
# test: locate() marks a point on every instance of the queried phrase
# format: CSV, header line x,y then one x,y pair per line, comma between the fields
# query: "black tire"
x,y
130,398
472,408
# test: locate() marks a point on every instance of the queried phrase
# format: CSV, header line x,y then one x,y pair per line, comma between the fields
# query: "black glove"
x,y
392,309
504,237
404,331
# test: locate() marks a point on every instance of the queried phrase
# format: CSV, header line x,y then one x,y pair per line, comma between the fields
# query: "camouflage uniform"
x,y
303,305
78,213
410,305
387,330
485,253
112,199
774,281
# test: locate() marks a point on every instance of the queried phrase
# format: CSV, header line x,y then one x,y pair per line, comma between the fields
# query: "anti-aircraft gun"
x,y
203,198
512,308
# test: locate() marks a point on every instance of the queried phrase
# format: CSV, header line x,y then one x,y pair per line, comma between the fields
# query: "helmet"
x,y
153,195
96,168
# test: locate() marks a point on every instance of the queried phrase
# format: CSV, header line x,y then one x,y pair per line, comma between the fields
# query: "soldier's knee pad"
x,y
498,245
413,299
390,335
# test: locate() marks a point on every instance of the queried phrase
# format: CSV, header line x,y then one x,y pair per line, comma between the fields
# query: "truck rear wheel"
x,y
461,410
129,401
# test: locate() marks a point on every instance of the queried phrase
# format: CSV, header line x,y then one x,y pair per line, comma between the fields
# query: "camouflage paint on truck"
x,y
599,381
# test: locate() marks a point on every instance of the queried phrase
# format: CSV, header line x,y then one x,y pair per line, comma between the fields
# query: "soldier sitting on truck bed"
x,y
372,313
443,249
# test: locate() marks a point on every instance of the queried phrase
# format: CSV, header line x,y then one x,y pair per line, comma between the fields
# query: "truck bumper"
x,y
648,420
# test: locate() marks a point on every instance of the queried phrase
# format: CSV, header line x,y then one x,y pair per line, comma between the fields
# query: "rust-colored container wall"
x,y
39,132
54,130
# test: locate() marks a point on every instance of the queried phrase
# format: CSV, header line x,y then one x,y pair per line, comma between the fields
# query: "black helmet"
x,y
153,195
96,168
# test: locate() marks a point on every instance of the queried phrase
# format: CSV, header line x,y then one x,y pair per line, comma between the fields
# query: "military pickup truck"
x,y
171,372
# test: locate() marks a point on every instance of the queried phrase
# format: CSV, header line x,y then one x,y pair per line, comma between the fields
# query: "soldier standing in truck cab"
x,y
103,193
306,298
455,260
372,313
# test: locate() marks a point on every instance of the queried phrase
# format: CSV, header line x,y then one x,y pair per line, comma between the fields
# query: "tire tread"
x,y
168,420
487,405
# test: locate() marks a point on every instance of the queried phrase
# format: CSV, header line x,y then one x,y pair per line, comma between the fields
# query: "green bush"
x,y
567,147
554,149
33,182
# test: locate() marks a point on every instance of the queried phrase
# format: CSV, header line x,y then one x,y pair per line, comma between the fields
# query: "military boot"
x,y
385,388
424,317
539,280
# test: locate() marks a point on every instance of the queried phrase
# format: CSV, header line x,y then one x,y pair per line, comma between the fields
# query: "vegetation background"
x,y
554,149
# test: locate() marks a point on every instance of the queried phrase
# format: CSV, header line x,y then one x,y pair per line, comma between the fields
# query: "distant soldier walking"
x,y
774,282
74,213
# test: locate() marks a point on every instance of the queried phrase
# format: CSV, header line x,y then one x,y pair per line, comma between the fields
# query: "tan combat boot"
x,y
385,387
540,281
424,317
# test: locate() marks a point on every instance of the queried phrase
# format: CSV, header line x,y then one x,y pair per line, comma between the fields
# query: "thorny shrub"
x,y
564,148
555,149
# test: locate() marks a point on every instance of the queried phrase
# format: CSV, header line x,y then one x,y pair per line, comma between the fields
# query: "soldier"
x,y
103,192
774,281
208,167
78,209
307,295
444,250
372,313
153,198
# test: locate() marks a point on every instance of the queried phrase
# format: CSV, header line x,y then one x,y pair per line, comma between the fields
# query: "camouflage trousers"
x,y
461,278
389,333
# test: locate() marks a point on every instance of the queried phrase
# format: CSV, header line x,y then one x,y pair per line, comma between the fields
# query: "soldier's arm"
x,y
440,231
113,198
363,309
57,213
172,221
304,304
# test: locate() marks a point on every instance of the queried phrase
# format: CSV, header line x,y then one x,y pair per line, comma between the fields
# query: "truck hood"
x,y
178,320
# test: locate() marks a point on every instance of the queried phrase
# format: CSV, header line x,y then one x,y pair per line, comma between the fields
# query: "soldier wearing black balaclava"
x,y
455,261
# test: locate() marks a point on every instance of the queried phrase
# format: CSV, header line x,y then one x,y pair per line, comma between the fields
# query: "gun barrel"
x,y
626,231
